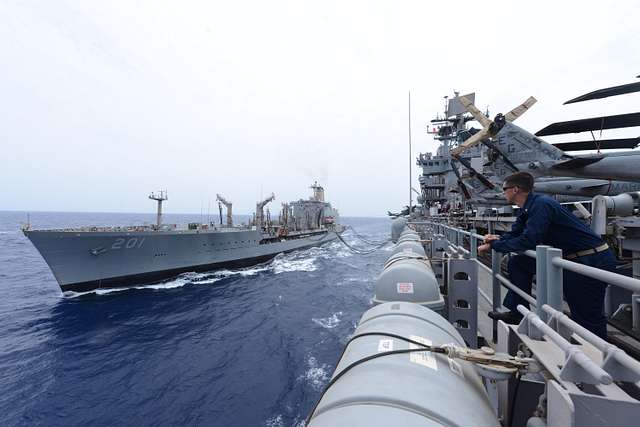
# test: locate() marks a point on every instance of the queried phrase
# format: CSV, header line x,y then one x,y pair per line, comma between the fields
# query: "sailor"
x,y
542,220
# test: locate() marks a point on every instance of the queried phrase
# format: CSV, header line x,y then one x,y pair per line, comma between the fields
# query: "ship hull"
x,y
85,261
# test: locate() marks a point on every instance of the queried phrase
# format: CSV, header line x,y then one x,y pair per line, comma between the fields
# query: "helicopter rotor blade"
x,y
520,109
477,114
471,141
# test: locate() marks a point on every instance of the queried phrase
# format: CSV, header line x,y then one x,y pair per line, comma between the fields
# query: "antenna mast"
x,y
410,158
159,197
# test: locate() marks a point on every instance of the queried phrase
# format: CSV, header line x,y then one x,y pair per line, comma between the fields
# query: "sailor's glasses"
x,y
504,189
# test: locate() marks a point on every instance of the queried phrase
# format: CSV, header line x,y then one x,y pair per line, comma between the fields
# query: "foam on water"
x,y
316,375
286,266
297,261
275,421
329,322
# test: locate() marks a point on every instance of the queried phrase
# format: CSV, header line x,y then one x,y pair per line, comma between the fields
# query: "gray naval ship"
x,y
88,258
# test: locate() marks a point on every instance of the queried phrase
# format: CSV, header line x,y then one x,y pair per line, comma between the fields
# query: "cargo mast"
x,y
229,207
260,212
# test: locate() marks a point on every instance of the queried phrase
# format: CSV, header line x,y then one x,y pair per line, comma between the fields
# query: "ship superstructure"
x,y
439,181
83,259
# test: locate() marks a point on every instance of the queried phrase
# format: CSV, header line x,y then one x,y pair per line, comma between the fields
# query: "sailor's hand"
x,y
490,238
484,248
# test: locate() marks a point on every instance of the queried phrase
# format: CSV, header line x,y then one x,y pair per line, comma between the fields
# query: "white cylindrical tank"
x,y
409,390
408,247
397,226
408,230
409,238
407,276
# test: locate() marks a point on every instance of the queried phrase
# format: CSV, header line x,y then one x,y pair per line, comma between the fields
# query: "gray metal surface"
x,y
397,226
419,389
77,257
408,247
588,381
94,257
463,298
408,278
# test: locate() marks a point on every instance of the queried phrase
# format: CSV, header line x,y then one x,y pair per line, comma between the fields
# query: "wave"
x,y
286,266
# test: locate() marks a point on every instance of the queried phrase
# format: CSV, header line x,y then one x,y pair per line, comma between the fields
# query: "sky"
x,y
103,102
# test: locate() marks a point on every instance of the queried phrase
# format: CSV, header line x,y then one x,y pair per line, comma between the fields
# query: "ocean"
x,y
245,347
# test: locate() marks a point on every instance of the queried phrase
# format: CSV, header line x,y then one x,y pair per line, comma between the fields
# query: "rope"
x,y
365,240
360,251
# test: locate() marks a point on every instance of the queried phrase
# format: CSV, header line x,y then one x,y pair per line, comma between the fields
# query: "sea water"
x,y
245,347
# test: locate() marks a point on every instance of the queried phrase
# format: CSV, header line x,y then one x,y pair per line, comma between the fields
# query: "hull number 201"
x,y
133,242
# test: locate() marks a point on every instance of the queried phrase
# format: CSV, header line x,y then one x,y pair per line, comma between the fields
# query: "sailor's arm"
x,y
535,228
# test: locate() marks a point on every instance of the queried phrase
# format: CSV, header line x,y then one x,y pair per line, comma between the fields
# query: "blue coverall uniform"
x,y
542,220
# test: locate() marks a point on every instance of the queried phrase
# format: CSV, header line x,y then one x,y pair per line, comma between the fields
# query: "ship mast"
x,y
410,160
159,197
318,192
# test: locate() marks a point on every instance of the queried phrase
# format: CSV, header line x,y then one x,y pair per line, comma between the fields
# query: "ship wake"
x,y
304,261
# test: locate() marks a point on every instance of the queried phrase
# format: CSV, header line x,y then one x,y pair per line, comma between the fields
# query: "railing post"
x,y
635,298
541,280
635,312
496,259
554,279
473,245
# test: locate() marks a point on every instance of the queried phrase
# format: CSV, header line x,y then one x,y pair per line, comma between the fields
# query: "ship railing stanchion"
x,y
463,298
554,280
541,280
635,297
496,260
473,244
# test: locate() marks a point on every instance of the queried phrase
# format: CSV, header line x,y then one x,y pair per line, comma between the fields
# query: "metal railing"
x,y
549,271
581,363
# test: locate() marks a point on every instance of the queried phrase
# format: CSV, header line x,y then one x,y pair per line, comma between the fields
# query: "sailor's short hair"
x,y
522,180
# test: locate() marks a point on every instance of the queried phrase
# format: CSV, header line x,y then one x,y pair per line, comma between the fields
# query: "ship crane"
x,y
260,212
227,204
